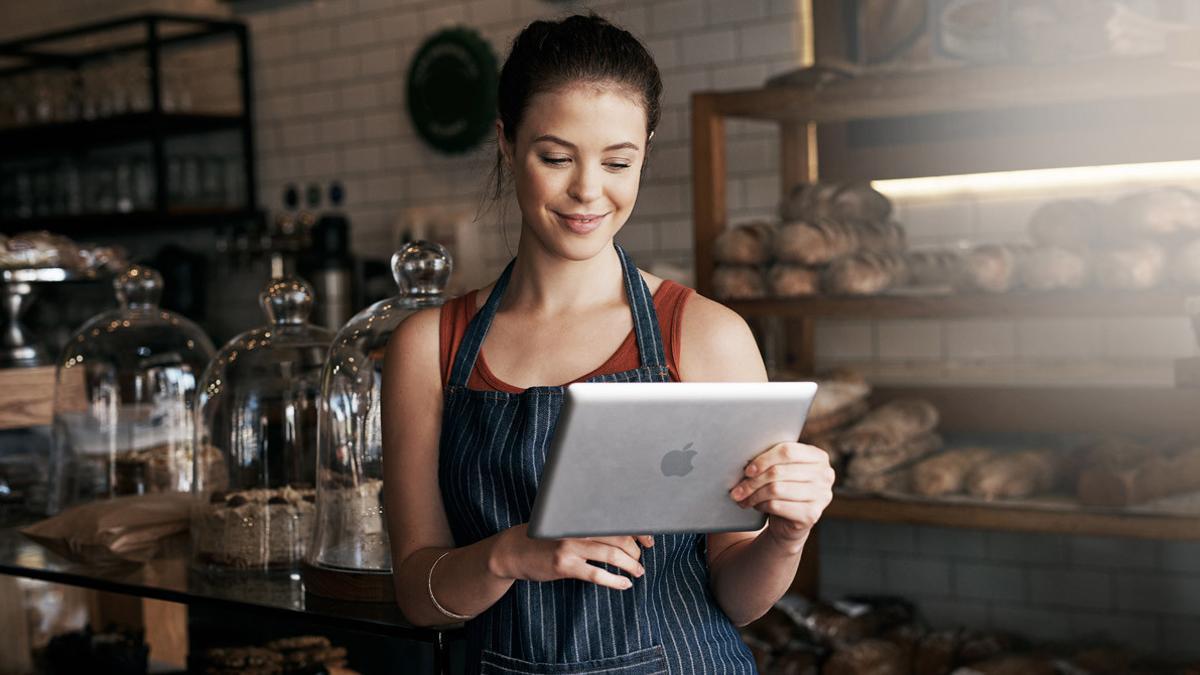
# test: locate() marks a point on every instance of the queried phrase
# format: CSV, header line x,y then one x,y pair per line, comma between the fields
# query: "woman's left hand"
x,y
792,483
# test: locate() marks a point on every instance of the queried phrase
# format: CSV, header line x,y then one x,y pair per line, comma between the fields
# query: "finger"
x,y
626,544
788,491
799,514
786,453
797,473
645,540
601,577
612,555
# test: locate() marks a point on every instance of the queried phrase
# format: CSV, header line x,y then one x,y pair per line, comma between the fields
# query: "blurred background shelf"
x,y
91,223
1017,304
1016,518
125,128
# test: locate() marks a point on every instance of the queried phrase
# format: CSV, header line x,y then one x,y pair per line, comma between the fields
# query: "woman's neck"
x,y
546,284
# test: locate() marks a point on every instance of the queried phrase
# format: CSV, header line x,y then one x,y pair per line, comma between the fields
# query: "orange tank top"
x,y
669,300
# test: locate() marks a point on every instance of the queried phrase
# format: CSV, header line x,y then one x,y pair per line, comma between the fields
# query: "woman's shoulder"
x,y
716,344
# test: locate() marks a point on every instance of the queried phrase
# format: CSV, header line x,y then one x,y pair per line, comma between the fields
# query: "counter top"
x,y
171,578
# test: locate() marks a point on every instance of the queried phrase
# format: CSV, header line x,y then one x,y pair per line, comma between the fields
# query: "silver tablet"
x,y
650,457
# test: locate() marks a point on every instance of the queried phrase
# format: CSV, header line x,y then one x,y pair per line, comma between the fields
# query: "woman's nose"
x,y
585,185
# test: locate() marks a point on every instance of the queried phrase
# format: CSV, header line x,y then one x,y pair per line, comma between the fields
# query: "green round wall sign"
x,y
452,89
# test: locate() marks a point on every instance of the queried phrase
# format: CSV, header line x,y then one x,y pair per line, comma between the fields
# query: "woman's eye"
x,y
617,165
555,161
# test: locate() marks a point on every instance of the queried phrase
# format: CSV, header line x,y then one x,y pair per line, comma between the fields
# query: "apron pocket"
x,y
642,662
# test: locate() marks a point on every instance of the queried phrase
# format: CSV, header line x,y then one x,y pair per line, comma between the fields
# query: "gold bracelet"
x,y
443,610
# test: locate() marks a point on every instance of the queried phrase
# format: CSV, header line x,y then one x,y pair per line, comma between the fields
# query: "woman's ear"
x,y
502,143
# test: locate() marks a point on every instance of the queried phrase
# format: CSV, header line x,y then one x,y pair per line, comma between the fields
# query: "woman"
x,y
470,414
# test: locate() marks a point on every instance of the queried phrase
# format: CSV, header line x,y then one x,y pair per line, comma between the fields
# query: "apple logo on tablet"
x,y
678,462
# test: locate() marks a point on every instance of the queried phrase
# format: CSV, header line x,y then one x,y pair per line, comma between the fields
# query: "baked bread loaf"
x,y
857,201
815,242
1013,475
1073,224
935,653
746,244
1185,265
992,267
1155,213
1048,268
864,273
868,657
738,282
1129,484
873,464
880,236
934,267
889,426
946,473
793,281
1135,267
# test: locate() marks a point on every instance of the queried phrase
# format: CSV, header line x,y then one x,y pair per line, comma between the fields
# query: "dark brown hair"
x,y
580,49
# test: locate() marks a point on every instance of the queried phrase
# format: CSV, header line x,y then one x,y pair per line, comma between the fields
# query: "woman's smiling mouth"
x,y
581,223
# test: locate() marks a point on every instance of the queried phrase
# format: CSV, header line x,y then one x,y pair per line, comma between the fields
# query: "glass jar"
x,y
350,534
258,412
125,395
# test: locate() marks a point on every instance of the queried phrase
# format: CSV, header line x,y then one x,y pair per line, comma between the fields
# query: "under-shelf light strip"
x,y
1041,180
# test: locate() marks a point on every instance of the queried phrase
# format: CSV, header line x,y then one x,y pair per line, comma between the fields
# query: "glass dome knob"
x,y
422,267
288,300
138,286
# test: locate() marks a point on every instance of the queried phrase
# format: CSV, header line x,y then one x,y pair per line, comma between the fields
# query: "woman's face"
x,y
576,162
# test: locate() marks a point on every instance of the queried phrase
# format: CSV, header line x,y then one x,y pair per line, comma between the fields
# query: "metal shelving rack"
x,y
160,31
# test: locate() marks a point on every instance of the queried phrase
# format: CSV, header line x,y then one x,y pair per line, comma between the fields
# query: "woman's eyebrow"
x,y
555,139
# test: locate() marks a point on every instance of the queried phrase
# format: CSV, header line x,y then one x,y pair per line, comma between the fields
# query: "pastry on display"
x,y
1160,212
842,201
793,281
257,528
746,244
992,268
1073,224
946,473
816,242
1136,267
934,267
869,468
738,282
1047,268
258,405
880,236
889,426
1013,475
873,656
1133,482
864,273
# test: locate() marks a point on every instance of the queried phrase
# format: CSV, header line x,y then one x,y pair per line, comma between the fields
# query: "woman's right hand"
x,y
518,556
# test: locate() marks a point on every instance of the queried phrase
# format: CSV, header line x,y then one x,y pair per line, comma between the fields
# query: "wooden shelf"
x,y
133,221
1053,304
131,127
1015,518
965,89
1058,410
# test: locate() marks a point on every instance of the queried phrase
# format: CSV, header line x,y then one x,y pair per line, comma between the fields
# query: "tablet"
x,y
659,457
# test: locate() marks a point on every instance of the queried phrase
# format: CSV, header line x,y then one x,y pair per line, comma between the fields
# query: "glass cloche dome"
x,y
350,535
254,508
125,394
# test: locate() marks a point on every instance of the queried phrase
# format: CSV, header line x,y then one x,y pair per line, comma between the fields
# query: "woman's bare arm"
x,y
416,518
749,571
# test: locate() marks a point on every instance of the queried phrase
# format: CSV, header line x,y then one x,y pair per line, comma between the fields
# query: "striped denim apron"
x,y
493,447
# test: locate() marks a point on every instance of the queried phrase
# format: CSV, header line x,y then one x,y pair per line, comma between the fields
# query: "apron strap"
x,y
472,342
641,303
645,317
